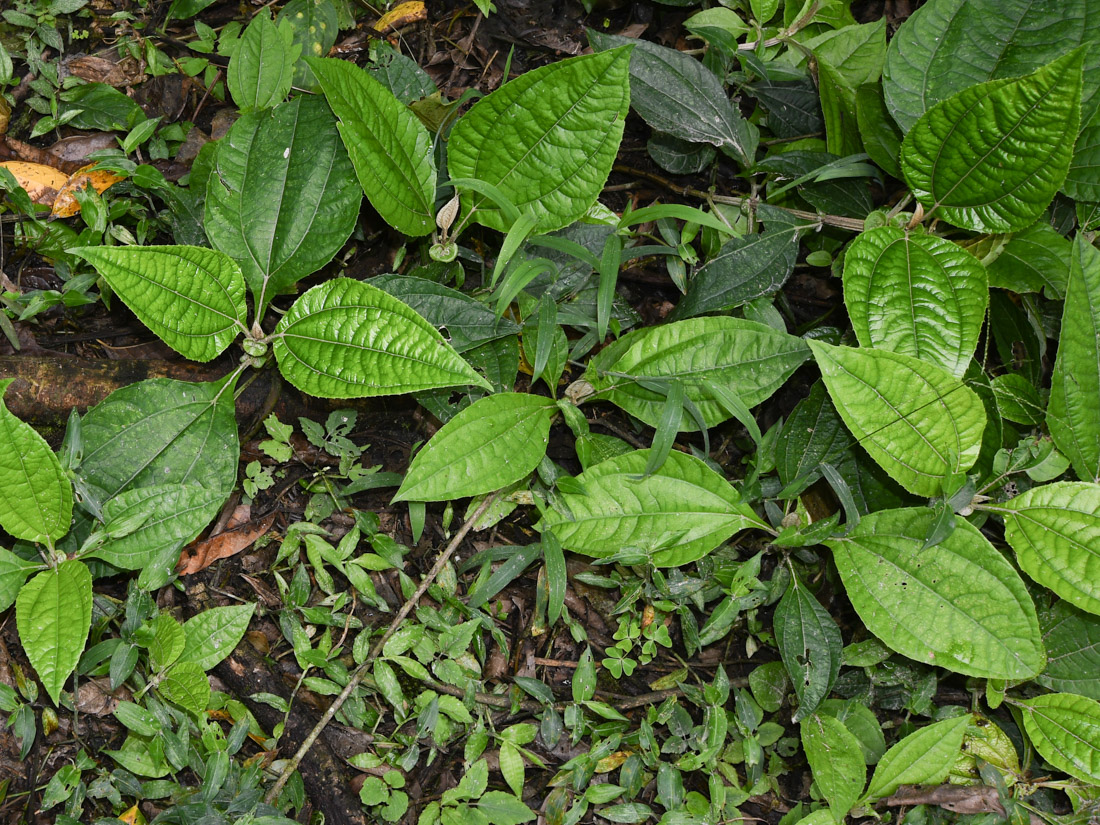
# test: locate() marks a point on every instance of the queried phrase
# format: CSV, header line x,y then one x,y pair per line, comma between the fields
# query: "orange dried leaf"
x,y
402,15
66,205
41,182
201,554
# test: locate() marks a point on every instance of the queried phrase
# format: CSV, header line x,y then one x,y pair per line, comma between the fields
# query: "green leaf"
x,y
745,268
186,684
1073,415
347,339
920,424
836,760
880,136
915,294
13,572
1033,260
53,614
494,442
168,641
36,497
469,322
191,298
504,809
751,357
1065,729
957,604
922,758
161,432
676,94
1072,640
1083,178
546,139
676,515
992,157
949,45
390,148
1055,531
511,767
281,199
177,513
261,70
809,645
213,634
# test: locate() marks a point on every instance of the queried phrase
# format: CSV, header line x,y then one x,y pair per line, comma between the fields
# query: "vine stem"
x,y
361,671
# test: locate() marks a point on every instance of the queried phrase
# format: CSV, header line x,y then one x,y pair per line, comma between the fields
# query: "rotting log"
x,y
47,388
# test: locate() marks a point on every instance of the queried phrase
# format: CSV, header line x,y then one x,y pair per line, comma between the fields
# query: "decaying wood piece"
x,y
47,388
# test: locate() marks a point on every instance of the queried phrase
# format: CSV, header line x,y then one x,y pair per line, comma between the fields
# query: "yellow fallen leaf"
x,y
132,817
66,205
401,15
41,182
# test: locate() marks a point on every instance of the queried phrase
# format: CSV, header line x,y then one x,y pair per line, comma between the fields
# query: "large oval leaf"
x,y
546,139
494,442
992,157
948,45
36,498
918,422
53,614
282,197
1055,531
389,146
347,339
159,432
677,95
262,68
1065,729
915,294
751,358
1073,414
675,516
957,604
177,513
191,298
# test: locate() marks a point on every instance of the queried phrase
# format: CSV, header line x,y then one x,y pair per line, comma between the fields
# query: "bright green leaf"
x,y
1072,639
191,298
1034,260
836,761
494,442
957,604
347,339
13,572
160,432
751,357
504,809
992,157
285,216
186,684
212,634
922,758
1073,414
390,148
676,515
53,614
36,498
918,422
1065,729
915,294
546,139
261,70
1055,531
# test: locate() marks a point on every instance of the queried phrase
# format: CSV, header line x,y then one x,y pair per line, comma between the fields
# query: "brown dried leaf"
x,y
126,72
201,554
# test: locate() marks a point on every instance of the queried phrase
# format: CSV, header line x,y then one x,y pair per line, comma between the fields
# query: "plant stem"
x,y
361,671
